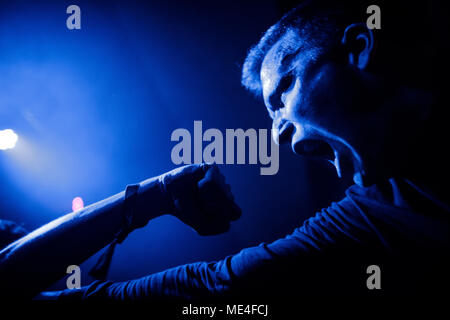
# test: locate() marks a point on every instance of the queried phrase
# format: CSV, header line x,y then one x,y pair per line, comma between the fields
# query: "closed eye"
x,y
284,85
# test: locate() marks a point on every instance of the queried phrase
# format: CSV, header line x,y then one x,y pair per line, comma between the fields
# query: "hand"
x,y
201,198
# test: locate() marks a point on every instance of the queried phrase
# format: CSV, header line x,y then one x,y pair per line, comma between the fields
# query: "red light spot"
x,y
77,204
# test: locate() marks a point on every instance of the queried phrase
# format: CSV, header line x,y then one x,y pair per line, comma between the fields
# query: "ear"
x,y
358,41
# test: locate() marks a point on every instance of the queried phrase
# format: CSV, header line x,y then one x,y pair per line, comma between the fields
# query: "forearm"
x,y
42,257
317,255
189,281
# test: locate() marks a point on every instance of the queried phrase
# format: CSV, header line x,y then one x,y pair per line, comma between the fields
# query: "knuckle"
x,y
206,184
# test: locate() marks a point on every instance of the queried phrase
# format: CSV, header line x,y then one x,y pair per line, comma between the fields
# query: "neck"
x,y
421,157
408,137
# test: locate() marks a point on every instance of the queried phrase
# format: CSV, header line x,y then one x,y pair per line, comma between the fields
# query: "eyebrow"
x,y
287,59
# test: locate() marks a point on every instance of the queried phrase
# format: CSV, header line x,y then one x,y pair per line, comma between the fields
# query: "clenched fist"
x,y
199,196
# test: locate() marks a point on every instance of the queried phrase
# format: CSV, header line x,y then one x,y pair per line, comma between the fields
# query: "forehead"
x,y
281,54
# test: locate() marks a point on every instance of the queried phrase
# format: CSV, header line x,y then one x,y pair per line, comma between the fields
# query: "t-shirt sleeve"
x,y
312,256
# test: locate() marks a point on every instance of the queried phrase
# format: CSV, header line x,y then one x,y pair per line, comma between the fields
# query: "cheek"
x,y
320,91
294,106
324,101
333,92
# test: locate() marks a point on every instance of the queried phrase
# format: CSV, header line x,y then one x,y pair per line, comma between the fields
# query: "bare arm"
x,y
191,193
40,258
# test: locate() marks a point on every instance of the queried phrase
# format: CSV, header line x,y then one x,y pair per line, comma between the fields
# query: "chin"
x,y
359,179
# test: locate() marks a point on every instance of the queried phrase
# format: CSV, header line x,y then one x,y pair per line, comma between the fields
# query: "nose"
x,y
276,100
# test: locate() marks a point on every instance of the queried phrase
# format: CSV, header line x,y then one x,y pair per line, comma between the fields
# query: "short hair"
x,y
322,23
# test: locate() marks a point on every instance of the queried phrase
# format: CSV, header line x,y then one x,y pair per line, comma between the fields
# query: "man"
x,y
330,95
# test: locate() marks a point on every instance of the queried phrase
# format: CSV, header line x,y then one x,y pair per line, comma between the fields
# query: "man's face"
x,y
314,105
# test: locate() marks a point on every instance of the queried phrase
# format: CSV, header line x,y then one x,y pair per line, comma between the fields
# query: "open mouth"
x,y
314,148
321,149
318,146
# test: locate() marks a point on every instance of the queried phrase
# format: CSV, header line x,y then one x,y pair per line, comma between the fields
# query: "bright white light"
x,y
8,139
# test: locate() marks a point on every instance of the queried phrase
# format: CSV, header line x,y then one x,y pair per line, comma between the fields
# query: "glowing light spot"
x,y
8,139
77,204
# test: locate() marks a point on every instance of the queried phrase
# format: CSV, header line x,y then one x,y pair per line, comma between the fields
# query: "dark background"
x,y
94,110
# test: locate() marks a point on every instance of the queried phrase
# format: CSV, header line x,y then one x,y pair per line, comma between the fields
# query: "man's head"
x,y
330,94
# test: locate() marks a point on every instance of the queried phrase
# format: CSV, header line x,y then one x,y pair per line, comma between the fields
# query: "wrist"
x,y
153,199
